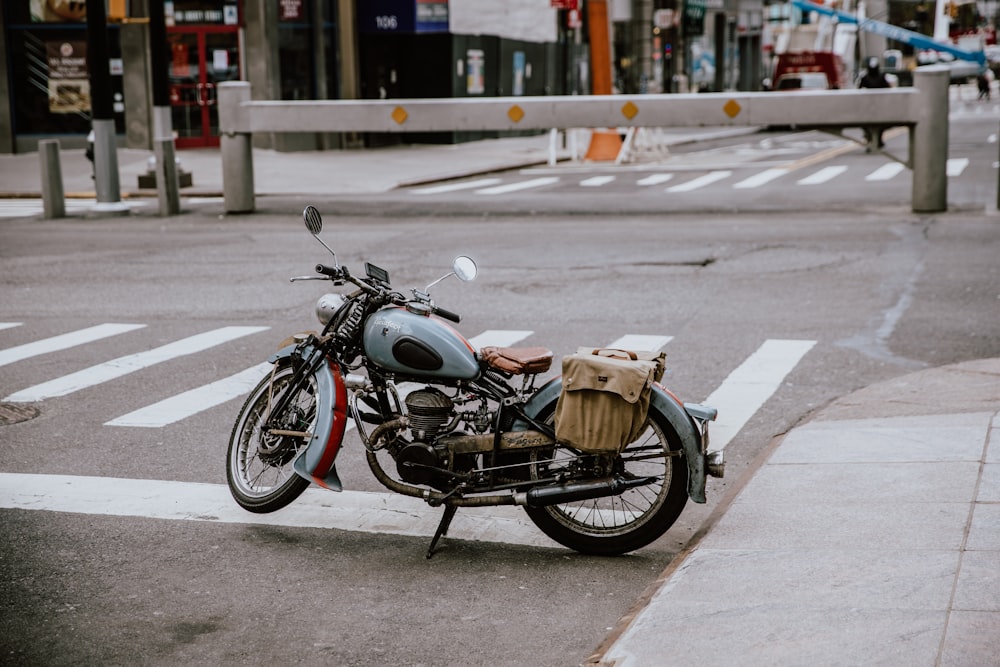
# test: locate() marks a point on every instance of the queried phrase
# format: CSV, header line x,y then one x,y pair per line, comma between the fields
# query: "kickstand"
x,y
442,529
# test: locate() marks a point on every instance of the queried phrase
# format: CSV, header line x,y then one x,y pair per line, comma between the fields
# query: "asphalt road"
x,y
880,291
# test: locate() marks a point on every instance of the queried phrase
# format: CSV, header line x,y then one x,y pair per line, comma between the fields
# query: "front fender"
x,y
666,405
316,462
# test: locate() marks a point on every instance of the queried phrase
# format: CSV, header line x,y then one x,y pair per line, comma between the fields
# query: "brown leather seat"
x,y
518,360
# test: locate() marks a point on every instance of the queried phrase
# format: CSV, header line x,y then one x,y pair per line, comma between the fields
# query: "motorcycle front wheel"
x,y
615,525
258,465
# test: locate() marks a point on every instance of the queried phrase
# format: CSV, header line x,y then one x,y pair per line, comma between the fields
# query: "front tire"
x,y
258,466
615,525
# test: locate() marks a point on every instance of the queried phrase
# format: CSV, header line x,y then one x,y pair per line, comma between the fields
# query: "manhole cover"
x,y
12,413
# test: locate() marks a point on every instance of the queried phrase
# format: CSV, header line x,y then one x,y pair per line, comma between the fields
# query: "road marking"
x,y
192,402
116,368
654,179
823,175
9,325
885,172
357,511
638,342
64,341
956,166
596,181
760,179
453,187
748,387
521,185
498,337
701,181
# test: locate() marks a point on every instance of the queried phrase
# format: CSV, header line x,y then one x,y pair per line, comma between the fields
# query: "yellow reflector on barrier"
x,y
732,108
399,115
629,110
515,113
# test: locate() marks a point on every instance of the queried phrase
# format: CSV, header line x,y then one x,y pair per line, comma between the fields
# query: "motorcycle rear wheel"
x,y
259,468
615,525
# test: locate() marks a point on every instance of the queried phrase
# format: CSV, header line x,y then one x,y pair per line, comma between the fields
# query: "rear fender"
x,y
316,462
663,403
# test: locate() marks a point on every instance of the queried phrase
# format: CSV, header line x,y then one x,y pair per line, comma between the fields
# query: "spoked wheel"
x,y
619,524
259,465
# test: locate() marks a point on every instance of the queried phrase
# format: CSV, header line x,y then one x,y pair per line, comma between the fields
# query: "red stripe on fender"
x,y
339,423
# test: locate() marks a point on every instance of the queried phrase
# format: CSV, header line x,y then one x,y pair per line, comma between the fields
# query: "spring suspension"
x,y
350,327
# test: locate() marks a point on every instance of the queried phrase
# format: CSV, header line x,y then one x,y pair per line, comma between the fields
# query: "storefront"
x,y
203,40
48,71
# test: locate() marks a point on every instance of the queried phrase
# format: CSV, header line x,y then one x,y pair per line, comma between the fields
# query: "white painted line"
x,y
9,325
885,172
499,338
637,342
64,341
596,181
750,385
192,402
956,166
129,364
453,187
701,181
823,175
521,185
654,179
760,179
356,511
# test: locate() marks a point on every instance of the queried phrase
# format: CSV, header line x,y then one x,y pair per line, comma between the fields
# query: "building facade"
x,y
352,49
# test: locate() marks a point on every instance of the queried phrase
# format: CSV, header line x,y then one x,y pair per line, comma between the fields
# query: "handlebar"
x,y
338,274
447,314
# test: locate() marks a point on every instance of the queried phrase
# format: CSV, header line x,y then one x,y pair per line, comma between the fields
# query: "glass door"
x,y
199,59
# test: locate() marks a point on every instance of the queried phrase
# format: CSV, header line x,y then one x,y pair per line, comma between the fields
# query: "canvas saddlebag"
x,y
605,398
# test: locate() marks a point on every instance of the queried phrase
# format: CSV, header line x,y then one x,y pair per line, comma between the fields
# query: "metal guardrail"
x,y
923,108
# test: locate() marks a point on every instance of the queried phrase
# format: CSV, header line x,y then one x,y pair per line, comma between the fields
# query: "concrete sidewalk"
x,y
869,536
336,172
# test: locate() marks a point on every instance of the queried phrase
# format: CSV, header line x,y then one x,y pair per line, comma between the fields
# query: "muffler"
x,y
542,496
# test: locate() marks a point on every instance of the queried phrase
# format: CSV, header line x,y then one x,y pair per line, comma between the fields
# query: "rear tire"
x,y
259,469
615,525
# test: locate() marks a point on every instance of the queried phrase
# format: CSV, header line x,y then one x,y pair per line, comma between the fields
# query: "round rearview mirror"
x,y
313,220
465,268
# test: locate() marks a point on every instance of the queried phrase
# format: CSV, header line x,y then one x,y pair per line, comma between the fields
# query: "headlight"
x,y
327,306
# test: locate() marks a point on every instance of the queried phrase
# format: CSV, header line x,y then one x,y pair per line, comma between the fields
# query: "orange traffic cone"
x,y
604,146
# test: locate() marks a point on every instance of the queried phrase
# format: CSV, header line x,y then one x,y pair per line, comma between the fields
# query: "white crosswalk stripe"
x,y
522,185
9,325
654,179
64,341
116,368
701,181
454,187
760,179
956,166
596,181
885,172
823,175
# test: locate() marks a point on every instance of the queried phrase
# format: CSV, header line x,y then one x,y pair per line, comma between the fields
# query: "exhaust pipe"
x,y
543,496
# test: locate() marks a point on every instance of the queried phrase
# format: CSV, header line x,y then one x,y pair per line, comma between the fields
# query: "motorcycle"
x,y
452,425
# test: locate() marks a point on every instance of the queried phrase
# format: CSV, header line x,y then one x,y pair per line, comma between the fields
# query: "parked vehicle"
x,y
459,427
826,63
802,81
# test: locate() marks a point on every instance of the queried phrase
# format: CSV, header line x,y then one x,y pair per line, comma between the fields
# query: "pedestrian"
x,y
984,84
873,78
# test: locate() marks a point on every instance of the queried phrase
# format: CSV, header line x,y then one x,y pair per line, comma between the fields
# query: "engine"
x,y
429,411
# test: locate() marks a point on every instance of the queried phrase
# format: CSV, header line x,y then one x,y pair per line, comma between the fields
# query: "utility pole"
x,y
106,180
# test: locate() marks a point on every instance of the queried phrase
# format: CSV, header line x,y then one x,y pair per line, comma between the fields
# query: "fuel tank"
x,y
415,343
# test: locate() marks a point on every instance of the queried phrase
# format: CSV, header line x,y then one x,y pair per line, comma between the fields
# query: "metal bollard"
x,y
53,196
929,140
167,182
236,147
